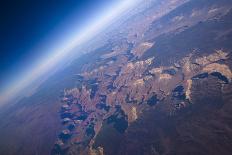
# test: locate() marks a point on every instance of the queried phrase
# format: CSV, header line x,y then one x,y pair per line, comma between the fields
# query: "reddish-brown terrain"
x,y
158,82
132,95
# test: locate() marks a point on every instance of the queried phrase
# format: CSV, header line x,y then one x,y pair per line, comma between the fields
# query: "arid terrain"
x,y
159,84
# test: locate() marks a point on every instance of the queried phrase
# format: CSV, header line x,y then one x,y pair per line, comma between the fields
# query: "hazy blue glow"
x,y
78,38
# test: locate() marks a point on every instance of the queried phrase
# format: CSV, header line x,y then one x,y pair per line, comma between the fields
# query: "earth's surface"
x,y
157,82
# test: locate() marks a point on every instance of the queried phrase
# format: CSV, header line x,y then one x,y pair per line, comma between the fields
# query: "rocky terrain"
x,y
156,82
155,85
117,95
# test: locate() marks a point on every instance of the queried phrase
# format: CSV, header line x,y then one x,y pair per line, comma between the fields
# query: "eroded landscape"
x,y
156,83
142,78
117,92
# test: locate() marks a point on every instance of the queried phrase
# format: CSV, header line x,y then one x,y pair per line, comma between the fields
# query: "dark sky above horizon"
x,y
28,26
